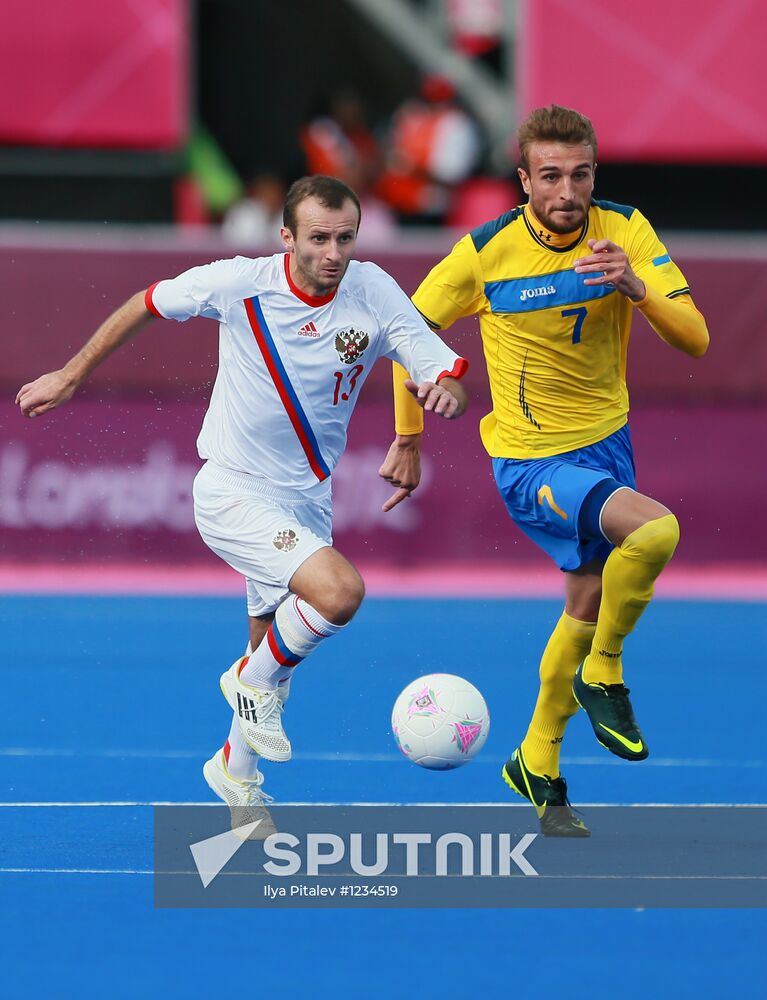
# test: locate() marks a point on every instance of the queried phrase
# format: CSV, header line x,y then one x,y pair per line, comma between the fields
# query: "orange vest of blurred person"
x,y
327,150
418,168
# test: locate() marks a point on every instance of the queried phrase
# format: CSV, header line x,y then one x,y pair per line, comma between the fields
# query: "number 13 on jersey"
x,y
353,374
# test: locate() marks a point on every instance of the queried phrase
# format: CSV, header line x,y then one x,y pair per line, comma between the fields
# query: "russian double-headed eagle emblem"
x,y
351,344
286,540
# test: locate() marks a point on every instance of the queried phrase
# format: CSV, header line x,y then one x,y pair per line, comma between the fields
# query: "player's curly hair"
x,y
329,192
554,123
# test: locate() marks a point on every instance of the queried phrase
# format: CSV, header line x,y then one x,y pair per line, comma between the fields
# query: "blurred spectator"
x,y
476,27
433,146
255,220
341,144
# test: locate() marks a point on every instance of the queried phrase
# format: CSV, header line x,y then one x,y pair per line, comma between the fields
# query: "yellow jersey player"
x,y
555,283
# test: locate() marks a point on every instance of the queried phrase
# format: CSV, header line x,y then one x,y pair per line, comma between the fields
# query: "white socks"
x,y
296,631
241,759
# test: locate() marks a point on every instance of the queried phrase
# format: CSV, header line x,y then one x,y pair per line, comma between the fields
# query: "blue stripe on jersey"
x,y
482,235
290,391
610,206
664,259
542,291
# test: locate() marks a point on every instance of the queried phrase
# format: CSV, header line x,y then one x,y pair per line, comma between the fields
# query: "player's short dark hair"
x,y
554,124
329,192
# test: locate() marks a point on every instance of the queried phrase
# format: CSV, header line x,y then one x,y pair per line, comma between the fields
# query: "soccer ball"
x,y
440,721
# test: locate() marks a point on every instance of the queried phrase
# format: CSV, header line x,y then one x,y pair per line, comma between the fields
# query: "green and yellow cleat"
x,y
611,716
548,795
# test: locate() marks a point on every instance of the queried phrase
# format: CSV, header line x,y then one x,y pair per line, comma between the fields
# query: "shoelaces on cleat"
x,y
561,787
272,708
253,794
619,699
255,797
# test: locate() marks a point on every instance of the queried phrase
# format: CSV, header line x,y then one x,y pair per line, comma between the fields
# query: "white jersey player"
x,y
298,335
292,365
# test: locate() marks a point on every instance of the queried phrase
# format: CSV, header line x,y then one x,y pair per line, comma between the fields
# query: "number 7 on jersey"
x,y
580,315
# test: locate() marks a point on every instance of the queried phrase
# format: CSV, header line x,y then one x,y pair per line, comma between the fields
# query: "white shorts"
x,y
261,531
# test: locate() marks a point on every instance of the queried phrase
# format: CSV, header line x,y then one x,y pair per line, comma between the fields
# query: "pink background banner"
x,y
56,295
107,478
89,73
111,482
669,82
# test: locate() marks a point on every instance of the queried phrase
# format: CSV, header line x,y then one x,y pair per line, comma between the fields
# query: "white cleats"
x,y
246,799
259,714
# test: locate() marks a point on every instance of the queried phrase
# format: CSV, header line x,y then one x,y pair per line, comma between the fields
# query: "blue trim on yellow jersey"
x,y
482,235
542,291
663,259
610,206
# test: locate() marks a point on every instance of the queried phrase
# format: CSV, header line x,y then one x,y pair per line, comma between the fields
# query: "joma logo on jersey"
x,y
351,344
534,293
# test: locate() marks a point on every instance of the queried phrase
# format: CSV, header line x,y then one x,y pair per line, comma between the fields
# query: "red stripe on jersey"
x,y
458,370
227,751
149,303
306,445
310,300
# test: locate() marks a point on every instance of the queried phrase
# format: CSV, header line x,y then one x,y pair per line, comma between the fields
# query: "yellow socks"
x,y
627,586
569,643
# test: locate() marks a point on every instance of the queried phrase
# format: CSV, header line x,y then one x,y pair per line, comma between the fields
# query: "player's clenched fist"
x,y
45,393
447,399
609,265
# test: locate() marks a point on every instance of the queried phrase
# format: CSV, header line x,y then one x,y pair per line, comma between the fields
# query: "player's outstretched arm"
x,y
55,388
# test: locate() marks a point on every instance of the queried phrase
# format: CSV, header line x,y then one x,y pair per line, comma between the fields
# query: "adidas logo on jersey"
x,y
310,330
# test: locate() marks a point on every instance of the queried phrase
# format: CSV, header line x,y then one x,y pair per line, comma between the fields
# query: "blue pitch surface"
x,y
116,700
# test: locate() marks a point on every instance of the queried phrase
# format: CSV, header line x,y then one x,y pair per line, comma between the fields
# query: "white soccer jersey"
x,y
291,366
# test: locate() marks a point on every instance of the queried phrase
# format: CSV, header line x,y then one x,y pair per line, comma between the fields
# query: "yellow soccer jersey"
x,y
555,347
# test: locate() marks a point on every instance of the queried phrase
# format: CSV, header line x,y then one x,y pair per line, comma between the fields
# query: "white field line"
x,y
367,758
380,805
75,871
